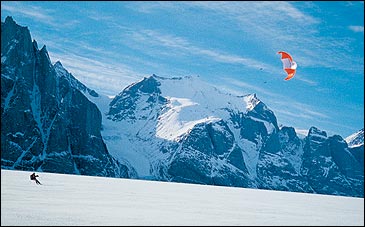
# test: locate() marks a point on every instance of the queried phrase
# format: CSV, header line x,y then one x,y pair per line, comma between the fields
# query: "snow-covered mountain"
x,y
184,130
178,129
47,123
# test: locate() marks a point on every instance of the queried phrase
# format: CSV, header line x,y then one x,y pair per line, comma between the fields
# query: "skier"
x,y
34,177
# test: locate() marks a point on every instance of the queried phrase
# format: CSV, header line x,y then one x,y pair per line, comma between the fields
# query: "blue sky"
x,y
232,45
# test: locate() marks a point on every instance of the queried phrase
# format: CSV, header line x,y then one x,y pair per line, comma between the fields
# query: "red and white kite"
x,y
289,65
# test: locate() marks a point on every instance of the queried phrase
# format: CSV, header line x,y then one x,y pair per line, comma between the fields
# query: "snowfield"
x,y
83,200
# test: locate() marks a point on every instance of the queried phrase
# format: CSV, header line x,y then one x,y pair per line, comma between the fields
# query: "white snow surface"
x,y
193,101
70,200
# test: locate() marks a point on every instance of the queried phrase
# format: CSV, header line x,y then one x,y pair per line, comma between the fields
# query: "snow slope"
x,y
356,139
84,200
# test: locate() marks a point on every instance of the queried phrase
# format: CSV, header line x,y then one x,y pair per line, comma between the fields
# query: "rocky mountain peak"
x,y
47,122
316,134
10,21
58,64
16,43
252,101
35,45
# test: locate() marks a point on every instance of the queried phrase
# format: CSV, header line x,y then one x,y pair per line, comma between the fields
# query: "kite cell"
x,y
289,65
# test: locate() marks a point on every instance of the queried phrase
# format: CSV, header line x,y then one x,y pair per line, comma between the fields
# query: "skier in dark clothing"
x,y
34,177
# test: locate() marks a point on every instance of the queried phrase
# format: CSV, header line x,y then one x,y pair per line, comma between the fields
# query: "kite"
x,y
289,65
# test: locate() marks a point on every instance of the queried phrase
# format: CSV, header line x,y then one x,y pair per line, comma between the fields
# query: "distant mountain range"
x,y
168,129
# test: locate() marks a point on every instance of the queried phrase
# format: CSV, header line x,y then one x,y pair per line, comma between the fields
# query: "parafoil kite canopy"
x,y
289,65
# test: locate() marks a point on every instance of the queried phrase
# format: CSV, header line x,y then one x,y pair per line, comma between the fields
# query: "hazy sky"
x,y
232,45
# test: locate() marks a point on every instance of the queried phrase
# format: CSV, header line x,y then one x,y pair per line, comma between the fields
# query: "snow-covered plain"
x,y
83,200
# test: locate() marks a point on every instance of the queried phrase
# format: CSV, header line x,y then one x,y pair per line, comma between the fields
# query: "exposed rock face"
x,y
280,161
209,155
326,165
47,123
